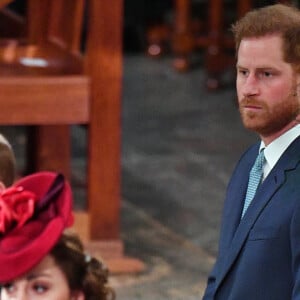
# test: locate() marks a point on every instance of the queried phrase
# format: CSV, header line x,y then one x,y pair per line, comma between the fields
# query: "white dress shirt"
x,y
274,150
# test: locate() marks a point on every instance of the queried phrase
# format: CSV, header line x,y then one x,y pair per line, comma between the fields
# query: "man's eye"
x,y
265,74
243,72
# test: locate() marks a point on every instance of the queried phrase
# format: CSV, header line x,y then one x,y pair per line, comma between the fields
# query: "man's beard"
x,y
268,120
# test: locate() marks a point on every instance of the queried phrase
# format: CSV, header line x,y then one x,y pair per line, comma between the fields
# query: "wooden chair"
x,y
187,34
46,81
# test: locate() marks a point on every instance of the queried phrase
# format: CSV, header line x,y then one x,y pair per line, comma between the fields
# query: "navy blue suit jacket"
x,y
259,256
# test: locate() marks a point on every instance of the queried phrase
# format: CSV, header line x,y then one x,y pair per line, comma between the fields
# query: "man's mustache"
x,y
251,102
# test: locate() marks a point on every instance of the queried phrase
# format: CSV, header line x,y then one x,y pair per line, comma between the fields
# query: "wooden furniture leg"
x,y
104,135
214,59
243,7
49,149
217,61
183,40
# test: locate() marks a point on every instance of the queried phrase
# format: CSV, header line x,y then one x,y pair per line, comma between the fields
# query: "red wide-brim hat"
x,y
24,245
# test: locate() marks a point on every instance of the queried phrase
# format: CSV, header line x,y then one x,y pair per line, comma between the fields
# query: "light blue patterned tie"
x,y
254,179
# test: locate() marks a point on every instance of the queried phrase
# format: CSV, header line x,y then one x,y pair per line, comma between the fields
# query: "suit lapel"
x,y
272,183
235,197
234,203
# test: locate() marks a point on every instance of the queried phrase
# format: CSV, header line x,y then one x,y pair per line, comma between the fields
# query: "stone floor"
x,y
180,143
179,146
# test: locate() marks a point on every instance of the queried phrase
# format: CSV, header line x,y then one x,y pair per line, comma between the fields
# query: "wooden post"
x,y
182,40
104,66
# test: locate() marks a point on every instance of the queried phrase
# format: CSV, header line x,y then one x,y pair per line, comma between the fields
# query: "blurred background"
x,y
179,138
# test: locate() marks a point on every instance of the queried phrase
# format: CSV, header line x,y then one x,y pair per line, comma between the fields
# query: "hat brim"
x,y
16,263
23,248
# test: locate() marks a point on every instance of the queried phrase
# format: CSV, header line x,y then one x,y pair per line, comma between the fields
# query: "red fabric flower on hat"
x,y
16,207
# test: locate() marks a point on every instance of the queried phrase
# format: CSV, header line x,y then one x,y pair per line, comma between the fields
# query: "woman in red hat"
x,y
38,259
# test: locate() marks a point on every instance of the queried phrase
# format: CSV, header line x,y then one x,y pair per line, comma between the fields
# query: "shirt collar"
x,y
274,150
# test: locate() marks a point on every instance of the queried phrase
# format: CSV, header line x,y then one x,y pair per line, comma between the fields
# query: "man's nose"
x,y
250,86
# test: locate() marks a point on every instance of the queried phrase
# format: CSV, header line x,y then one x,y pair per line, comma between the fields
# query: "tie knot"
x,y
260,160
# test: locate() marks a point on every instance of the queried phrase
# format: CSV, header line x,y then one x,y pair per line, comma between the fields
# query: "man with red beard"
x,y
259,248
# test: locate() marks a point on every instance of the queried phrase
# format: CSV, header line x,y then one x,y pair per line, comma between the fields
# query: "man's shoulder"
x,y
247,159
251,151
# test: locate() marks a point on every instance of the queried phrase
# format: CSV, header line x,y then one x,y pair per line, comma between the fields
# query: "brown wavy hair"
x,y
83,272
273,19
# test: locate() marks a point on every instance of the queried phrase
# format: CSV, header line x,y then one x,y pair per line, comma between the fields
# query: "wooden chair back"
x,y
48,83
59,22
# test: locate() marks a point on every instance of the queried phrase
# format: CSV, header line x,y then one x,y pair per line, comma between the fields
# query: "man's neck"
x,y
268,139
